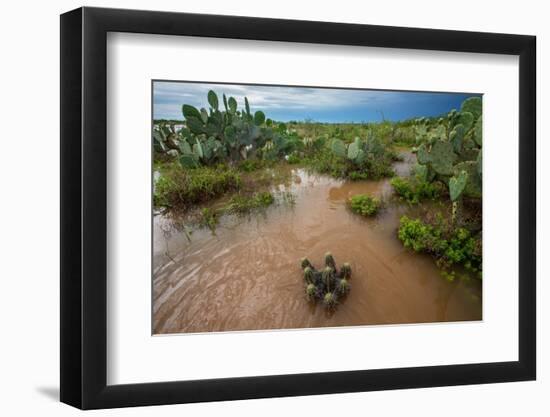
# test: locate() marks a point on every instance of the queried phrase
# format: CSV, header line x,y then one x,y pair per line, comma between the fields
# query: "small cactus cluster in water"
x,y
328,284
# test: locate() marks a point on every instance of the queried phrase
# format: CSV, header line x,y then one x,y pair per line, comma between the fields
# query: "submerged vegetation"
x,y
364,205
328,285
241,204
448,244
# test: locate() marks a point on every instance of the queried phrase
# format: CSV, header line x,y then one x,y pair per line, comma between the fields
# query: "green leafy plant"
x,y
364,204
447,244
414,190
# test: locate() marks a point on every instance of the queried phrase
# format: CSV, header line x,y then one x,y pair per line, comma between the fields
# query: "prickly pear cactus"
x,y
457,184
338,148
215,135
442,157
422,155
328,286
454,159
472,105
473,185
478,132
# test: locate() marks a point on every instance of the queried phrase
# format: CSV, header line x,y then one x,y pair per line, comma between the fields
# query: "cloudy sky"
x,y
298,103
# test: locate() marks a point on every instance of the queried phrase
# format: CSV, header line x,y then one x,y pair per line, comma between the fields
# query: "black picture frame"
x,y
84,207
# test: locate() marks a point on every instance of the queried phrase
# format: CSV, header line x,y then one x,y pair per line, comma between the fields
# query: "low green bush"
x,y
414,190
181,188
364,204
449,245
324,162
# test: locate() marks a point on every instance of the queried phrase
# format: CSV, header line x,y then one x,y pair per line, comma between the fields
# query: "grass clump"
x,y
414,190
209,218
357,176
364,205
181,188
242,204
325,162
447,244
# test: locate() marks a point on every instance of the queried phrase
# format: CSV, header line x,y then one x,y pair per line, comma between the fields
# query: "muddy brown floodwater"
x,y
247,276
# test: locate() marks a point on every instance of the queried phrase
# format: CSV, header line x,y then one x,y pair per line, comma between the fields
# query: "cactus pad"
x,y
478,132
442,157
473,185
188,161
213,100
259,118
457,136
339,148
422,155
232,105
472,105
466,119
353,150
190,111
457,184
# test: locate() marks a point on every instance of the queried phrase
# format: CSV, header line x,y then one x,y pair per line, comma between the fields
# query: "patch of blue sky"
x,y
327,105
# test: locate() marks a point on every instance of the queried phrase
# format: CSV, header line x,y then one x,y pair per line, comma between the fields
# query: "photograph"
x,y
294,207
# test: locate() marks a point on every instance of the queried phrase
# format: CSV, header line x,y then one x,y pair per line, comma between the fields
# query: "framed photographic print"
x,y
255,208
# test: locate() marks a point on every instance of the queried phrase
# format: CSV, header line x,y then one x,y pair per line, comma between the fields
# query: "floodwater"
x,y
247,275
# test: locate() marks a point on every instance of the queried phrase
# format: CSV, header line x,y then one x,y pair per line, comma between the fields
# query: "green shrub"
x,y
414,190
364,205
181,188
380,168
450,246
418,236
325,163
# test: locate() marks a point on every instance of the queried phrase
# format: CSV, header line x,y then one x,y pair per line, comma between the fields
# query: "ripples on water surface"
x,y
247,275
